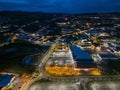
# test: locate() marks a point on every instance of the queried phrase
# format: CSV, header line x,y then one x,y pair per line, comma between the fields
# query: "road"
x,y
40,68
26,85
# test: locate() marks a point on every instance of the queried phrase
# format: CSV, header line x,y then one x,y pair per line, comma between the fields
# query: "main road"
x,y
43,74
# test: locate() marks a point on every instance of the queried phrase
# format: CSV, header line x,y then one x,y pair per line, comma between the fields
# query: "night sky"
x,y
62,6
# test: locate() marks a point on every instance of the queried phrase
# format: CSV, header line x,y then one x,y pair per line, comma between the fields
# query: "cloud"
x,y
69,6
14,1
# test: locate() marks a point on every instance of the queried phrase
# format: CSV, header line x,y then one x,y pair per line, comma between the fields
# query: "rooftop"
x,y
83,59
108,56
5,79
80,55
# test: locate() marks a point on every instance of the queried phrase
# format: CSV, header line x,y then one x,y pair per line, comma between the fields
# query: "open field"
x,y
12,56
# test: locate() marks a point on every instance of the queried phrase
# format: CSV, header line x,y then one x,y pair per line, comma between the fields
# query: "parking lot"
x,y
60,59
105,85
54,86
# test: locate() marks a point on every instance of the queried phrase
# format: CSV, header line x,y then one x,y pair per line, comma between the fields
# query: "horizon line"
x,y
62,12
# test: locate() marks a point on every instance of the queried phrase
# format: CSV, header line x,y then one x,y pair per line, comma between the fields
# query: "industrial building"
x,y
83,60
107,56
5,80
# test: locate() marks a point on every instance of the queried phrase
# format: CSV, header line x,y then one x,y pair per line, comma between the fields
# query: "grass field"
x,y
12,56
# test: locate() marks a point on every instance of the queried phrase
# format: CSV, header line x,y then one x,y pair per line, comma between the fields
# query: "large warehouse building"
x,y
83,60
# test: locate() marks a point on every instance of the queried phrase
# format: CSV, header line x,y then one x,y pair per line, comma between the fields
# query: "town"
x,y
78,48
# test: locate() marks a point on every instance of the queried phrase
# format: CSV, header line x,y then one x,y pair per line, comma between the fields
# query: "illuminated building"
x,y
63,48
83,60
5,80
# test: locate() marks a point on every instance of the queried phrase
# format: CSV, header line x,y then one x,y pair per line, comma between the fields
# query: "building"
x,y
107,56
107,38
114,47
61,48
83,60
5,80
